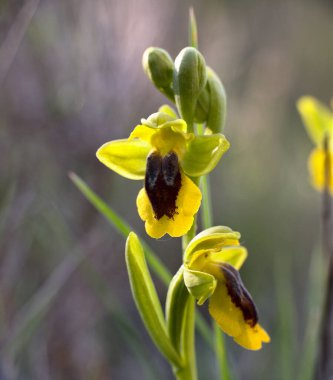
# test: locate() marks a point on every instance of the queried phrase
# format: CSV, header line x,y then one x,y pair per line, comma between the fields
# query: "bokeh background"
x,y
71,79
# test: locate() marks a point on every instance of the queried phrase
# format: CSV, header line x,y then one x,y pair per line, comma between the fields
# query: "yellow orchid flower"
x,y
211,263
318,122
167,157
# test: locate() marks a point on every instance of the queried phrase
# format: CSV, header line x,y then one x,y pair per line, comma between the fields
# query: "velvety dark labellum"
x,y
239,295
162,183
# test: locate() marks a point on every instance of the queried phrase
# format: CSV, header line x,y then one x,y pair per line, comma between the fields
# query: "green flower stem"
x,y
189,236
207,221
207,213
189,370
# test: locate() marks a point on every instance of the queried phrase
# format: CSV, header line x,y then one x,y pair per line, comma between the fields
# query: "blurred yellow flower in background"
x,y
318,122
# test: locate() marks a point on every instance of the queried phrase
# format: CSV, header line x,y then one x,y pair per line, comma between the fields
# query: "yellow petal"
x,y
187,202
143,132
316,165
127,158
165,138
233,255
235,313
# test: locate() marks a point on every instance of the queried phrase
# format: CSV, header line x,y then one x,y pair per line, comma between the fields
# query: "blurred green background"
x,y
71,79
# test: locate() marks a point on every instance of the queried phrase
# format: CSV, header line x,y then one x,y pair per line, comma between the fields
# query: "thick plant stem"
x,y
324,367
207,221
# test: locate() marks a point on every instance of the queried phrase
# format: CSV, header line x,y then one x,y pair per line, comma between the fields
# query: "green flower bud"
x,y
188,81
203,104
211,106
158,65
218,102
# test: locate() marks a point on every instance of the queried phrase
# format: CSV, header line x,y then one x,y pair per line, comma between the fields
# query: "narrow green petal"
x,y
125,157
203,153
317,118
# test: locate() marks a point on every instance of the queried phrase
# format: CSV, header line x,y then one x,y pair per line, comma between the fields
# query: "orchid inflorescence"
x,y
170,151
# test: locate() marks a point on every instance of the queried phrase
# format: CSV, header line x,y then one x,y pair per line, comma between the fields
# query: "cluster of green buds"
x,y
170,152
190,84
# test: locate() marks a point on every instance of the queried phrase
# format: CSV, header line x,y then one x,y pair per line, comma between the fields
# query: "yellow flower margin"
x,y
211,264
162,132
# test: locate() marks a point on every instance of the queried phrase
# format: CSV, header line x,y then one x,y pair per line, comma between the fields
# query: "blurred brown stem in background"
x,y
324,367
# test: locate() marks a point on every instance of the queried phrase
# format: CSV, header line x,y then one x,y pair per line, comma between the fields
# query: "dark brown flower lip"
x,y
162,183
240,297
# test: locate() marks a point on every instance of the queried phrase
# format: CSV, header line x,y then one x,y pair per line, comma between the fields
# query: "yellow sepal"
x,y
125,157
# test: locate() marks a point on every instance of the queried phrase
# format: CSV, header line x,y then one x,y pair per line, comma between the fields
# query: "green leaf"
x,y
317,119
146,299
125,157
176,301
180,314
203,154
